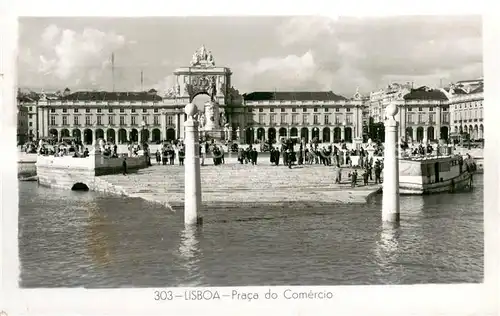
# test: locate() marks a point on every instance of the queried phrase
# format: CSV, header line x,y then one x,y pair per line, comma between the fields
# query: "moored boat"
x,y
435,174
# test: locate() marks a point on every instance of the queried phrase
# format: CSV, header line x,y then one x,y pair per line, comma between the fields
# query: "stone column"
x,y
437,130
425,134
414,133
342,133
40,127
177,125
390,198
402,120
192,177
254,134
163,123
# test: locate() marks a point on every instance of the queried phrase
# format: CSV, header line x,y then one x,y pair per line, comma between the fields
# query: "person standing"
x,y
255,154
289,158
158,157
354,178
203,150
277,156
181,155
338,177
378,170
365,177
241,155
124,166
271,155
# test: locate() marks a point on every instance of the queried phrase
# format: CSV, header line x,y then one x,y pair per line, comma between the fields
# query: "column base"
x,y
195,222
390,217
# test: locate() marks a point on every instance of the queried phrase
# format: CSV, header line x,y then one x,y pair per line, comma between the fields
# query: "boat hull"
x,y
463,182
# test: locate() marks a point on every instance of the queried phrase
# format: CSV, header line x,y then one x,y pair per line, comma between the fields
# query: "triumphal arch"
x,y
204,77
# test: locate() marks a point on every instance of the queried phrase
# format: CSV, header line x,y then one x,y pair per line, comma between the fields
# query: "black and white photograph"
x,y
235,151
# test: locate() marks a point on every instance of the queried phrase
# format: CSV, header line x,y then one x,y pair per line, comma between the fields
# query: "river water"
x,y
93,240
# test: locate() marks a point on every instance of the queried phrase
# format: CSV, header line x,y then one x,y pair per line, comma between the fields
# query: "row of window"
x,y
475,114
466,105
431,109
295,109
111,120
421,118
410,109
99,110
338,119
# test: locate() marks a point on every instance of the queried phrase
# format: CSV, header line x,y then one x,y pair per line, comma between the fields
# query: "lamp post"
x,y
343,131
94,136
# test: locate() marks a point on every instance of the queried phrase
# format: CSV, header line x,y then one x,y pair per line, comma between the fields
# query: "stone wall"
x,y
64,172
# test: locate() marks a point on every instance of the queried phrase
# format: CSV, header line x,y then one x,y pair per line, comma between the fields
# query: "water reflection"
x,y
387,251
190,254
97,239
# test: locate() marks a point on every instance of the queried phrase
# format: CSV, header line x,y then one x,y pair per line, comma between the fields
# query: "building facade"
x,y
146,116
115,116
424,113
320,116
22,124
466,106
253,117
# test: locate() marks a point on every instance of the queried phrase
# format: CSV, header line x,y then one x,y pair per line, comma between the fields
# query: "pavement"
x,y
233,184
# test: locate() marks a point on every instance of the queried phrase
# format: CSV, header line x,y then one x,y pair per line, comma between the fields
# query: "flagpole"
x,y
142,80
113,70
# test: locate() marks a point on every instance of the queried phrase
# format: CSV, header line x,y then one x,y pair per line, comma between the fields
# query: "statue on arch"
x,y
210,59
223,119
203,53
201,119
43,96
195,60
213,88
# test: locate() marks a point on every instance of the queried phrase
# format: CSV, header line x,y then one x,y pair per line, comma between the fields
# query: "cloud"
x,y
163,85
368,53
299,29
50,33
284,73
77,56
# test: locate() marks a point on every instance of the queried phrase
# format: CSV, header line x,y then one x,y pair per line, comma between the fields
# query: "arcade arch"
x,y
326,135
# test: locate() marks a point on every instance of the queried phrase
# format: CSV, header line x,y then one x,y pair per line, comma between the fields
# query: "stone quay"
x,y
232,184
72,173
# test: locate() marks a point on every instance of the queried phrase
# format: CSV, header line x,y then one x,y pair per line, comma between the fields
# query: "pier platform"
x,y
232,184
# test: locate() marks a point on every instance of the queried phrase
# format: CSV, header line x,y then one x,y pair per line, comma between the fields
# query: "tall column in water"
x,y
192,183
390,197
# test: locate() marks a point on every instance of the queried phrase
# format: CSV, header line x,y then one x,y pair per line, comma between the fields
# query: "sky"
x,y
264,53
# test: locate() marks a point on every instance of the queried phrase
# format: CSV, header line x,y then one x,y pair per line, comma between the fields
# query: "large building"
x,y
466,106
22,124
147,116
324,116
258,116
423,112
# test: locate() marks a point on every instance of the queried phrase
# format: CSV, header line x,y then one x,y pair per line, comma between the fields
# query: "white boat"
x,y
435,174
